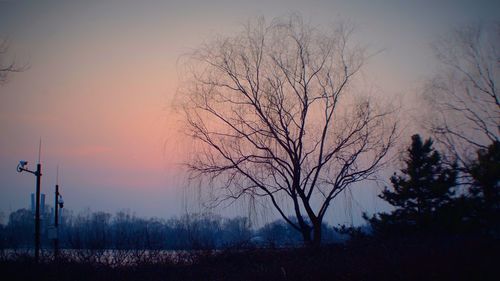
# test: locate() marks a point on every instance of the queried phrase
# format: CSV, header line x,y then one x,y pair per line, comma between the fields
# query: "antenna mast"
x,y
39,150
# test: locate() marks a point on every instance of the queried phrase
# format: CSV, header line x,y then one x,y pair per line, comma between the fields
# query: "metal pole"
x,y
37,212
56,224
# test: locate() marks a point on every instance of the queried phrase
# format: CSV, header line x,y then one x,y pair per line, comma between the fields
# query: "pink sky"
x,y
102,78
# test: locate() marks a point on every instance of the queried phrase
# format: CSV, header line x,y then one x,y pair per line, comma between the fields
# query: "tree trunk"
x,y
306,235
316,234
313,240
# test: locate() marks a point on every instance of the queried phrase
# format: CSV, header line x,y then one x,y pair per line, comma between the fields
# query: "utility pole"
x,y
56,223
58,204
56,216
38,173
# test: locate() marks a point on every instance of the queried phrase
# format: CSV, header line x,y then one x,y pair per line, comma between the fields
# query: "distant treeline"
x,y
430,196
101,230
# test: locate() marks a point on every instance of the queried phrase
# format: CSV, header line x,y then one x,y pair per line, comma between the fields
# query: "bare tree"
x,y
465,94
276,118
7,68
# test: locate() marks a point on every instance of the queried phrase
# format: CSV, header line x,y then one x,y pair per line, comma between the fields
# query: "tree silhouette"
x,y
419,193
7,68
20,229
465,95
486,174
485,190
275,117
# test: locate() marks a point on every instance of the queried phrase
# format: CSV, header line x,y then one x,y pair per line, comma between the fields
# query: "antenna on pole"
x,y
57,175
39,150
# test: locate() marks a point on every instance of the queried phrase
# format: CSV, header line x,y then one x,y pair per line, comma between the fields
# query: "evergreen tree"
x,y
485,172
419,193
484,197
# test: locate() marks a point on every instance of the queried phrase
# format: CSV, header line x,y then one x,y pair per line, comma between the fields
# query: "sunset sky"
x,y
103,74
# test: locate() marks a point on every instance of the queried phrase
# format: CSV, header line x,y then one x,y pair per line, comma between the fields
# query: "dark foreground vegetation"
x,y
362,259
440,228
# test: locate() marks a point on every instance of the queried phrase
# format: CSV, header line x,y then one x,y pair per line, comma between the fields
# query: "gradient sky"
x,y
103,75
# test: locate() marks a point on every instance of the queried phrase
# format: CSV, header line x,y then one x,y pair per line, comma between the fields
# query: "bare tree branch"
x,y
9,67
465,94
277,119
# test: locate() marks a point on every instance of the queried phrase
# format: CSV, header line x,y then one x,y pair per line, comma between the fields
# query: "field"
x,y
431,259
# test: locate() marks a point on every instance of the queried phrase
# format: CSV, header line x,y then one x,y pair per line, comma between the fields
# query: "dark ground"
x,y
368,259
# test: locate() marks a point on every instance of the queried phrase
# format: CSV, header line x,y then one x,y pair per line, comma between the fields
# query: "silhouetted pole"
x,y
38,175
56,224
